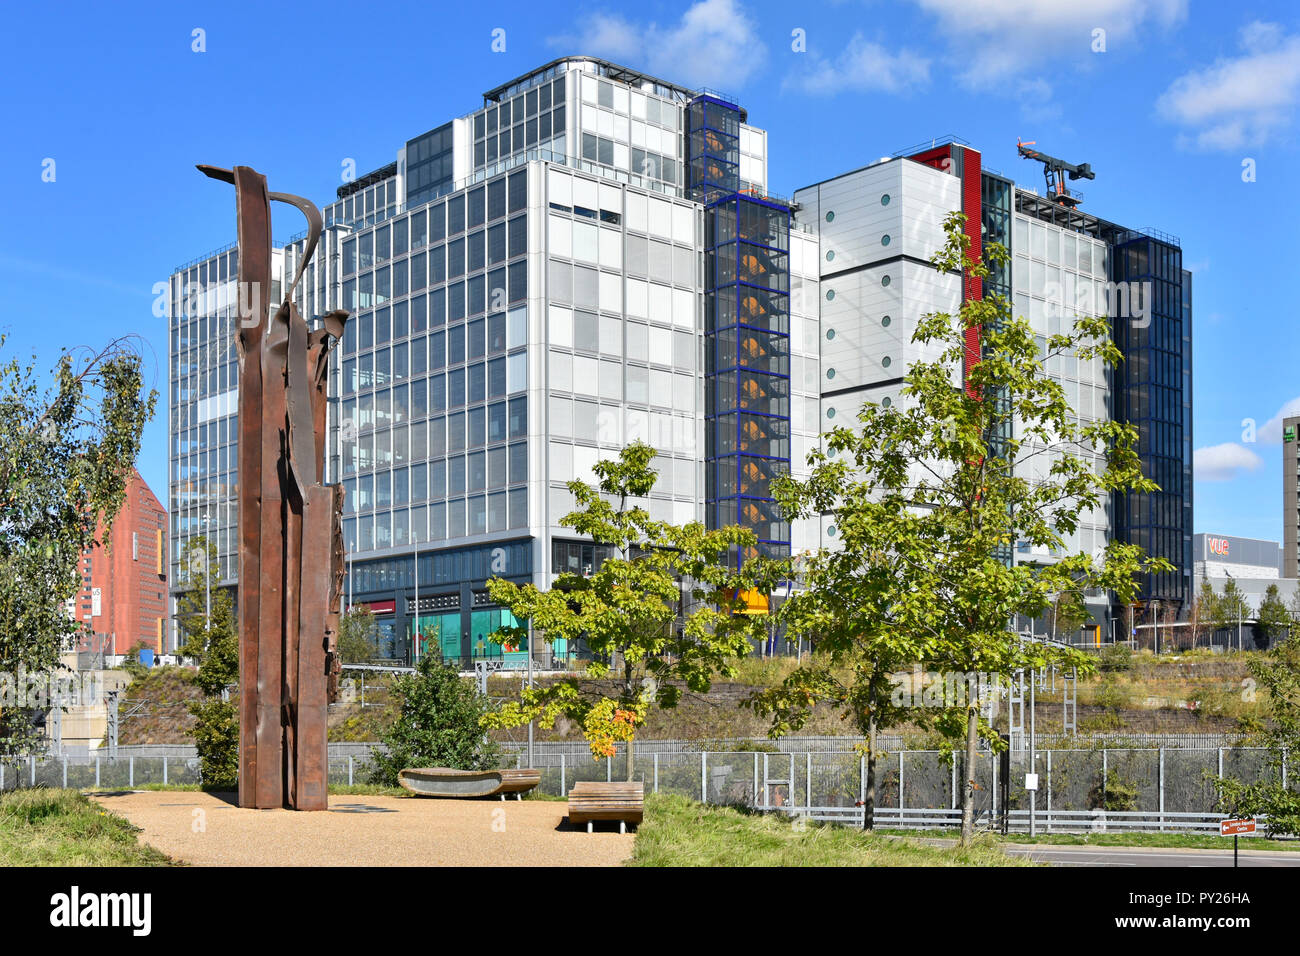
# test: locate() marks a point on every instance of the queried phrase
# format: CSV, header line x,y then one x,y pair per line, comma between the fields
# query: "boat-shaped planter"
x,y
445,782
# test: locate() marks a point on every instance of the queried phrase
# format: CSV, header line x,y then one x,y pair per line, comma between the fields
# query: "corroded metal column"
x,y
291,542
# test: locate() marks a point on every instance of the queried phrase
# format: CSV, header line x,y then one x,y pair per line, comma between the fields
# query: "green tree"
x,y
358,635
212,639
1278,674
1068,615
1204,611
1293,610
1231,609
929,495
661,611
1272,619
66,452
439,724
203,629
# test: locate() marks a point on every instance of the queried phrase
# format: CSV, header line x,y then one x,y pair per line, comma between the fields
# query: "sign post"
x,y
1235,828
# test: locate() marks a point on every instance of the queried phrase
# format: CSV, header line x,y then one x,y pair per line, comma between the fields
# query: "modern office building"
x,y
878,227
1291,497
590,257
594,256
123,597
1253,564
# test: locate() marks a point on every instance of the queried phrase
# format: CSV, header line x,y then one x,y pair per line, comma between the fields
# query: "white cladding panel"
x,y
855,355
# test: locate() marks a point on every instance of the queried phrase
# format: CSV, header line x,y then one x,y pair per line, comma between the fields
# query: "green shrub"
x,y
216,737
1118,795
1115,658
438,725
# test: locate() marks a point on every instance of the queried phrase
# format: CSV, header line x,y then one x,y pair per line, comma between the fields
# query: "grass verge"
x,y
681,832
1190,841
44,827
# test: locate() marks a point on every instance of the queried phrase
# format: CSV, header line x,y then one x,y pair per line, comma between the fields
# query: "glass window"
x,y
519,417
496,199
455,215
475,339
518,236
456,344
474,207
518,463
496,422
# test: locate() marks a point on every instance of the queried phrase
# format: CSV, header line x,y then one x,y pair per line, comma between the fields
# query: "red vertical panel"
x,y
971,205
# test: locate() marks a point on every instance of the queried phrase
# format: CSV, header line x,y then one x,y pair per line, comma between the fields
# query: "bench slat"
x,y
597,800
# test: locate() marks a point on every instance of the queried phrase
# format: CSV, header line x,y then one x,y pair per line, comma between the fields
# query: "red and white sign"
x,y
1218,546
1234,827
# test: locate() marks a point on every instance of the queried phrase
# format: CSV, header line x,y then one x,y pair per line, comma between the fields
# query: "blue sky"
x,y
1173,103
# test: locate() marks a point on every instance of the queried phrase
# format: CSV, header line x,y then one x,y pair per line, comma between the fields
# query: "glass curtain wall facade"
x,y
203,388
1152,392
746,331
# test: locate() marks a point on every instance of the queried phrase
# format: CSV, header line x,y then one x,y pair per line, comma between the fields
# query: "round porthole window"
x,y
830,334
884,240
830,373
884,200
885,321
830,217
886,402
831,531
830,413
884,280
830,294
886,361
830,255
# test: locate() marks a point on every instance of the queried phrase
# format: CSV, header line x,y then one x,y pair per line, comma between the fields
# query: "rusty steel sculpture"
x,y
290,541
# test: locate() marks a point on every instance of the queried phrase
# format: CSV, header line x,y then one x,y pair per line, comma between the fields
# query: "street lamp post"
x,y
531,762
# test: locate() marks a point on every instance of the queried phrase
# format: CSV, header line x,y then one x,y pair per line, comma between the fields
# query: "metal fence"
x,y
1103,789
1096,789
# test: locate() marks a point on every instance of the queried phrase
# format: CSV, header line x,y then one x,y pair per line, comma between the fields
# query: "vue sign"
x,y
1218,546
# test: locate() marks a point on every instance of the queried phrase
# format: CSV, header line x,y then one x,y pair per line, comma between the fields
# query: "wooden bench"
x,y
518,782
445,782
591,800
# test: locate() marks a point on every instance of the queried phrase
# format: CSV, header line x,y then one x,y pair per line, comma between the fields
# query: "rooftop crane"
x,y
1055,171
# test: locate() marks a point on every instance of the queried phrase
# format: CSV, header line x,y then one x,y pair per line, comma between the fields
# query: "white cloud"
x,y
715,44
1239,101
996,39
1035,99
1223,462
862,66
1270,433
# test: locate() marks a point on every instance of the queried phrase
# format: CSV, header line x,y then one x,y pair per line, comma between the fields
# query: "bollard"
x,y
350,763
130,771
164,770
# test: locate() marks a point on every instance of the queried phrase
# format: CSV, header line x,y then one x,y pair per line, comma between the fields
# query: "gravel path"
x,y
367,831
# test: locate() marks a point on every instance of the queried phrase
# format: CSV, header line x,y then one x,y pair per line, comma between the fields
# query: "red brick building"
x,y
124,587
